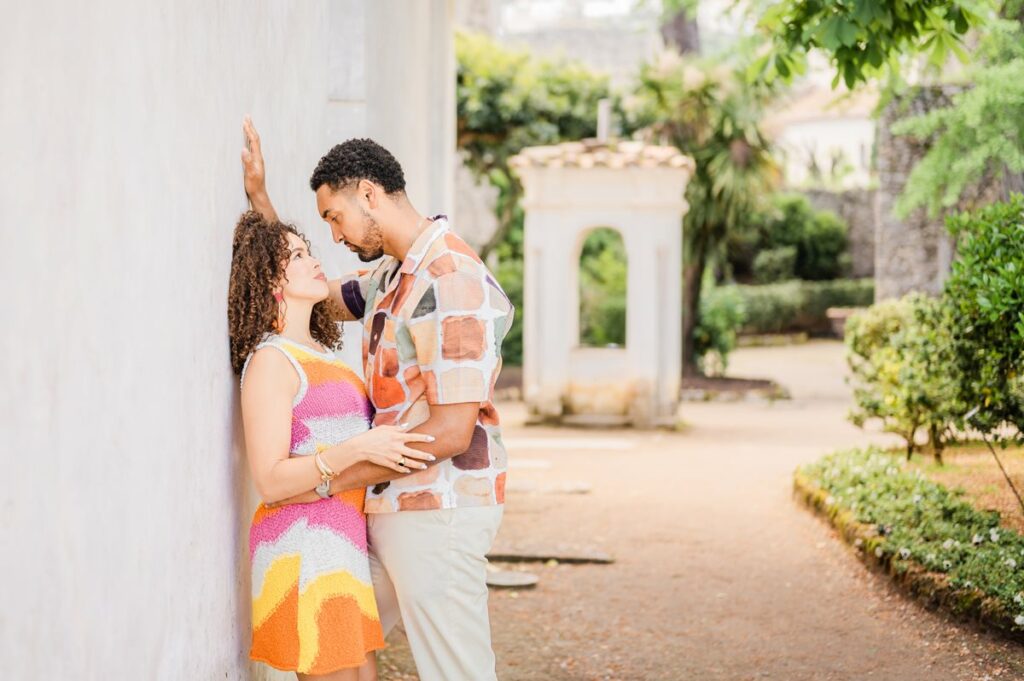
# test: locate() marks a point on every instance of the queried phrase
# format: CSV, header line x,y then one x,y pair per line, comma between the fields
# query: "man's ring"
x,y
401,462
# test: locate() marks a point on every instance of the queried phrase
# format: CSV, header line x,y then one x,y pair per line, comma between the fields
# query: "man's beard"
x,y
374,246
369,256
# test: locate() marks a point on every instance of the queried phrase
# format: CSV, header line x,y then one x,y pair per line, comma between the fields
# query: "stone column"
x,y
915,253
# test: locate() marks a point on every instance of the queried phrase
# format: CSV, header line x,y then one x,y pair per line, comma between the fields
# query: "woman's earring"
x,y
279,323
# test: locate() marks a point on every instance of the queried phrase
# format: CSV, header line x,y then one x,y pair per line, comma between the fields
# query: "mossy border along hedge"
x,y
923,535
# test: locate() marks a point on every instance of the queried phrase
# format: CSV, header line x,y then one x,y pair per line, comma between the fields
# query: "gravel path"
x,y
719,574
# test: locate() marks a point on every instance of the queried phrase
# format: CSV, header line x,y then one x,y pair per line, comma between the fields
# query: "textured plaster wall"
x,y
125,498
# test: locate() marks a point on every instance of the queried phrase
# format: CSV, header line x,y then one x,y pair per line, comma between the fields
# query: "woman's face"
x,y
304,280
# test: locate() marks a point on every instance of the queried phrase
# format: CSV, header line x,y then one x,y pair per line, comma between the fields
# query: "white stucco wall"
x,y
125,500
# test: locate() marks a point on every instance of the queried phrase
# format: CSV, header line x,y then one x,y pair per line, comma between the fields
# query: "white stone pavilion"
x,y
572,189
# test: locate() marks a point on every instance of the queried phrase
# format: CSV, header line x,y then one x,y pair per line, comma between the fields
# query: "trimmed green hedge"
x,y
796,305
775,265
919,521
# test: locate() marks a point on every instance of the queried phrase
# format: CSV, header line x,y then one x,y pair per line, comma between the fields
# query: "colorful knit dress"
x,y
313,608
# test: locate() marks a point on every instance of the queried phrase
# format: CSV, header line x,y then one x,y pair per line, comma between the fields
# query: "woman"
x,y
306,417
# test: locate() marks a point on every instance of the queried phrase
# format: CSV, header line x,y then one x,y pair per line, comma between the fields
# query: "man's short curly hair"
x,y
358,159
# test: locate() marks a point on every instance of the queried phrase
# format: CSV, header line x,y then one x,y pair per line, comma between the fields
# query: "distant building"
x,y
824,137
610,36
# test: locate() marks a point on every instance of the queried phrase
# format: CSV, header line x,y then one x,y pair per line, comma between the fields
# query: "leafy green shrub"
x,y
819,238
774,265
822,251
797,305
819,296
924,522
721,316
772,308
986,291
603,289
900,354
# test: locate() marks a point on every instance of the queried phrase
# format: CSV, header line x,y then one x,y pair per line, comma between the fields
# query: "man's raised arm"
x,y
254,173
349,292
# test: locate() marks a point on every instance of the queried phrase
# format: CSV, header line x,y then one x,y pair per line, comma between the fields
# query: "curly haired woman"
x,y
306,418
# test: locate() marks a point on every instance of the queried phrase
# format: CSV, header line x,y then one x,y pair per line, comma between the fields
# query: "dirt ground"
x,y
973,469
718,573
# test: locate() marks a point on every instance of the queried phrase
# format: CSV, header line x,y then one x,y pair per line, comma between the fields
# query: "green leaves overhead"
x,y
509,99
864,37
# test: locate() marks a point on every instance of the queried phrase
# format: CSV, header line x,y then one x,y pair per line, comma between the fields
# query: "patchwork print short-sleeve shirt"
x,y
433,327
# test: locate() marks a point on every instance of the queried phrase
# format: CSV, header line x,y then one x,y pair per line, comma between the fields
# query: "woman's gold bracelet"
x,y
326,474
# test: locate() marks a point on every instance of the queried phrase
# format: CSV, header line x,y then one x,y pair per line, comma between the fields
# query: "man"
x,y
434,319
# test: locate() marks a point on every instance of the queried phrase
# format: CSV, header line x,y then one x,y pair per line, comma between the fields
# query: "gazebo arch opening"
x,y
602,269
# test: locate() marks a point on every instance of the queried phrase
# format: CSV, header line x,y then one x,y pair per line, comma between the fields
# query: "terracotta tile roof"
x,y
591,153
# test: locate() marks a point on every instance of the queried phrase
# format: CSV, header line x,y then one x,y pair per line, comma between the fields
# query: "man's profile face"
x,y
350,221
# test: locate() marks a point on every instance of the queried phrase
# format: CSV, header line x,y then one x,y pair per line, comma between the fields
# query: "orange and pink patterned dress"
x,y
313,608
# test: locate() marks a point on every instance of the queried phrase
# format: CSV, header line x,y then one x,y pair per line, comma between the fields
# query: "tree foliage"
x,y
864,38
507,100
709,112
980,136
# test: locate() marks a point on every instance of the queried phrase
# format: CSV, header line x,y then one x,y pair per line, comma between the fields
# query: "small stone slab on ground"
x,y
509,579
540,464
569,443
571,557
560,488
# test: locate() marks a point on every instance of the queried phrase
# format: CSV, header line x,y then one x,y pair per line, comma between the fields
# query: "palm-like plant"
x,y
711,113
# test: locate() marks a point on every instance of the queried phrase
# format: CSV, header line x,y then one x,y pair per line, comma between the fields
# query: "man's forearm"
x,y
260,202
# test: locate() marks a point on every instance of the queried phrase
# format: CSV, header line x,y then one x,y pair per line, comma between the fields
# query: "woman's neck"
x,y
296,323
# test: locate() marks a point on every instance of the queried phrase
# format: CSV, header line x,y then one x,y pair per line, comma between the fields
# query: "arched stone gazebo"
x,y
571,189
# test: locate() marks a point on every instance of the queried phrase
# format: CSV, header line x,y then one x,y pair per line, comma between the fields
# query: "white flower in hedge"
x,y
1011,563
878,552
949,544
977,539
930,558
946,565
917,498
993,534
1019,620
829,500
904,553
1019,599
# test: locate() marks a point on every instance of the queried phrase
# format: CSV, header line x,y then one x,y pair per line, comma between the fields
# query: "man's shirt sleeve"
x,y
352,299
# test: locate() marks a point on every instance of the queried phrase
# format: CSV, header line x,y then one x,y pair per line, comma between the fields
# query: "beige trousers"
x,y
430,570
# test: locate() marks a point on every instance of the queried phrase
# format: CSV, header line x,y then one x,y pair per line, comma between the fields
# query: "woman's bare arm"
x,y
450,425
269,388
